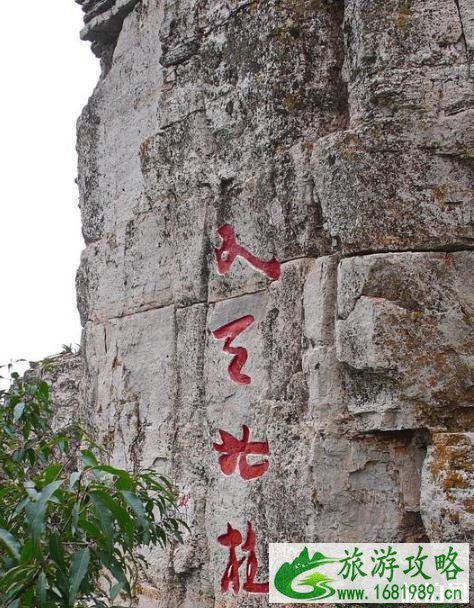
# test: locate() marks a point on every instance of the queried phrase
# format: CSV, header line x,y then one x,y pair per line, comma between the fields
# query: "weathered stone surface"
x,y
446,499
89,174
405,336
65,376
447,505
134,396
335,137
394,180
373,200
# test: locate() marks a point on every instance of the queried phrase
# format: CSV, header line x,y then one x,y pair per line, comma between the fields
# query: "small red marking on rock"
x,y
184,500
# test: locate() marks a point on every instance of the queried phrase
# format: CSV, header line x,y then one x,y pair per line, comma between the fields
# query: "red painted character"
x,y
230,333
233,539
183,500
230,249
236,451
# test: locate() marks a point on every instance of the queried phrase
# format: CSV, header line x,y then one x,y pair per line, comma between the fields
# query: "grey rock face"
x,y
65,376
335,137
404,331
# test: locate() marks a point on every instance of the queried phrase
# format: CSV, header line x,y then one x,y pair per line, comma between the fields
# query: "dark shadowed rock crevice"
x,y
103,21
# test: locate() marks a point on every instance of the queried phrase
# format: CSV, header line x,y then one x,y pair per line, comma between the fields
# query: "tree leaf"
x,y
75,517
116,589
78,571
47,492
74,479
41,589
51,473
116,569
11,543
137,506
88,458
124,477
27,552
36,511
56,550
91,530
105,518
118,512
43,389
18,411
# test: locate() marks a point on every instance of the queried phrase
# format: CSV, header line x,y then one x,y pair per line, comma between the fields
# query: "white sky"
x,y
47,75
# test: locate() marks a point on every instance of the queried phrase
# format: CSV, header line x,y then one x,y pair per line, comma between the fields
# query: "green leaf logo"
x,y
286,575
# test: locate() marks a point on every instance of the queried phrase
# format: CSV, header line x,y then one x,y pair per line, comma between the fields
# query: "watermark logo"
x,y
369,573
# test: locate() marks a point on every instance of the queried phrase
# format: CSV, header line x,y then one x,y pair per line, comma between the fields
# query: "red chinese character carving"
x,y
230,332
230,249
233,539
252,564
236,451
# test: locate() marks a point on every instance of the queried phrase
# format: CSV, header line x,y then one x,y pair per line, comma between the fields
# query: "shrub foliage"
x,y
71,526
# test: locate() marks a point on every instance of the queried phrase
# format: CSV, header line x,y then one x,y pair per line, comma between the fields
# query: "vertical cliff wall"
x,y
335,140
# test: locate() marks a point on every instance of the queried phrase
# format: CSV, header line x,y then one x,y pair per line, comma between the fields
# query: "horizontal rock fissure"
x,y
431,249
217,300
182,119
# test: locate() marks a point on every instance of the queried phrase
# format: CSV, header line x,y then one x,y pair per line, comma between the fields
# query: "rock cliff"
x,y
322,152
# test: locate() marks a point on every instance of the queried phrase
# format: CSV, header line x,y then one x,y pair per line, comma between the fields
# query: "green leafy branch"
x,y
71,525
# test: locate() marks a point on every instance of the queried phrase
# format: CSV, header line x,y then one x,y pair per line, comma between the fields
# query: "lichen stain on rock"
x,y
403,18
